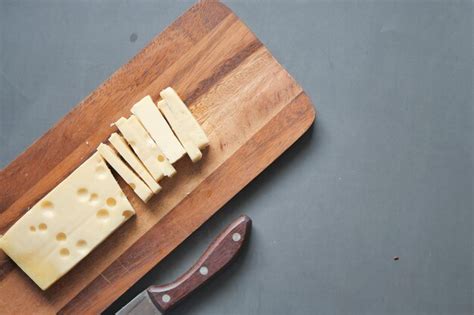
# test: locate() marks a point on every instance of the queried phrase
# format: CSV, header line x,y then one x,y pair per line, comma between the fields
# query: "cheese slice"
x,y
145,148
124,150
184,117
153,149
182,133
67,223
125,172
156,125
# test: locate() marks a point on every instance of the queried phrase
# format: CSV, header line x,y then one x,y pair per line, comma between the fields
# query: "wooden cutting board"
x,y
250,107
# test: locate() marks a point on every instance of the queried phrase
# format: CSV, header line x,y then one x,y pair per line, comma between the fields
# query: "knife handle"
x,y
218,255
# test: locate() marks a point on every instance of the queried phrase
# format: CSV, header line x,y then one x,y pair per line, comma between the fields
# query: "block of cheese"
x,y
125,172
145,148
182,133
67,223
185,118
156,125
127,154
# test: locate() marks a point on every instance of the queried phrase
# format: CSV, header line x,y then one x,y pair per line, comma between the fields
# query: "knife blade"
x,y
141,304
159,299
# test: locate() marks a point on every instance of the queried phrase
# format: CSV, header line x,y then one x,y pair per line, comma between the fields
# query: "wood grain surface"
x,y
250,107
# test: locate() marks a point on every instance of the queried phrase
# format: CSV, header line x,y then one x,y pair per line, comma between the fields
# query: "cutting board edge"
x,y
226,7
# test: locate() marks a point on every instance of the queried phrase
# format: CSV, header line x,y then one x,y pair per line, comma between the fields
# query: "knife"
x,y
157,300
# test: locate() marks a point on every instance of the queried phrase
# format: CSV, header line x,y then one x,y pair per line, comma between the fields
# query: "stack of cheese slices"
x,y
87,206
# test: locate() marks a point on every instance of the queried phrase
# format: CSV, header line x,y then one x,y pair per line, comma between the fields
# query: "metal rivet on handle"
x,y
236,237
203,270
166,298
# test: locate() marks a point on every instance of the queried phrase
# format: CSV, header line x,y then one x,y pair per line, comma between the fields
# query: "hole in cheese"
x,y
111,202
94,198
46,204
42,227
102,214
61,236
64,252
81,243
101,172
133,186
161,158
47,207
32,229
82,193
99,160
127,214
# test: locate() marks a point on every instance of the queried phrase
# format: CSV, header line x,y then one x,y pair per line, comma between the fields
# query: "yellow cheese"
x,y
151,118
125,172
184,117
182,133
68,223
124,150
163,162
145,148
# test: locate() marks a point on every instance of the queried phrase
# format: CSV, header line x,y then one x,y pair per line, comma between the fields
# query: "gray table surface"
x,y
386,171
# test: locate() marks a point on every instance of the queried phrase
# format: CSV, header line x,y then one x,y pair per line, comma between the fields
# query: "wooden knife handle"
x,y
218,255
